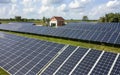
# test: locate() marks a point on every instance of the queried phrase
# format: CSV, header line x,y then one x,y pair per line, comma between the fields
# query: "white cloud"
x,y
48,8
27,3
52,7
101,10
63,8
28,10
43,9
2,11
75,4
113,4
13,10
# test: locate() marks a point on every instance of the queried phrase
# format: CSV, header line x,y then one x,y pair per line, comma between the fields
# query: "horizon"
x,y
68,9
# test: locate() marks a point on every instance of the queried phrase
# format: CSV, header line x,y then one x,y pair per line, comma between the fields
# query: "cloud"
x,y
63,8
76,4
52,7
48,8
5,1
27,3
43,9
28,10
113,4
4,11
13,10
101,10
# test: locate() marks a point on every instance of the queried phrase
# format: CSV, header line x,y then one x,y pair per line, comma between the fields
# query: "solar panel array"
x,y
92,32
20,56
26,56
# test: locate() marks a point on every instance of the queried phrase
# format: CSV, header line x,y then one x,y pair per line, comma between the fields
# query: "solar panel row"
x,y
97,32
78,64
25,56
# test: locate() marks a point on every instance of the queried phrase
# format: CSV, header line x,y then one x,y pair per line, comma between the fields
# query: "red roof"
x,y
57,18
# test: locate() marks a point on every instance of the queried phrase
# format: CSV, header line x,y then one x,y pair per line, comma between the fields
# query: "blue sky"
x,y
69,9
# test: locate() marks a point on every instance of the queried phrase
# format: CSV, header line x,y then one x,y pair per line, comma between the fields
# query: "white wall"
x,y
53,22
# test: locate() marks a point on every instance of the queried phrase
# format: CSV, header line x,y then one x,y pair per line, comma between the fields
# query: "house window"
x,y
53,24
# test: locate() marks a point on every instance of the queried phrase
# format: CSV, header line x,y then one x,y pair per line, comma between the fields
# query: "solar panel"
x,y
52,68
87,63
116,68
104,64
83,62
27,56
112,38
71,62
95,34
107,36
91,32
117,41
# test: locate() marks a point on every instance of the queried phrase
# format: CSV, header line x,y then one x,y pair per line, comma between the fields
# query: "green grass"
x,y
70,42
4,22
39,22
3,72
36,22
68,21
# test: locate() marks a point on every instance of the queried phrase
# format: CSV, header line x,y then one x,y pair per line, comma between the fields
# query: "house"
x,y
56,21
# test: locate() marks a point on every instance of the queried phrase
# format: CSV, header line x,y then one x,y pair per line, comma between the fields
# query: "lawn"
x,y
3,72
70,42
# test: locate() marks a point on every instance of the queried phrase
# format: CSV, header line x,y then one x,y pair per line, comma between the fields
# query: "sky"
x,y
68,9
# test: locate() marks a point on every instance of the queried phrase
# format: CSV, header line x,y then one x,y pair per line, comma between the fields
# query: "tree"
x,y
102,19
115,19
47,21
110,17
18,18
24,20
11,19
85,18
44,19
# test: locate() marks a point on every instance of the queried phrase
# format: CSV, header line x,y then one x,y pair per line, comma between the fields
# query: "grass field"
x,y
3,72
70,42
40,22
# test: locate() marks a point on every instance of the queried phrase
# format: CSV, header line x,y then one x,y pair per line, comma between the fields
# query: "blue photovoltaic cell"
x,y
113,38
51,69
108,34
89,35
116,68
71,62
93,37
93,32
25,55
100,36
104,64
117,41
86,64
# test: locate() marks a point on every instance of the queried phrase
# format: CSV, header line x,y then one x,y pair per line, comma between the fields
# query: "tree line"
x,y
19,19
43,21
110,17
